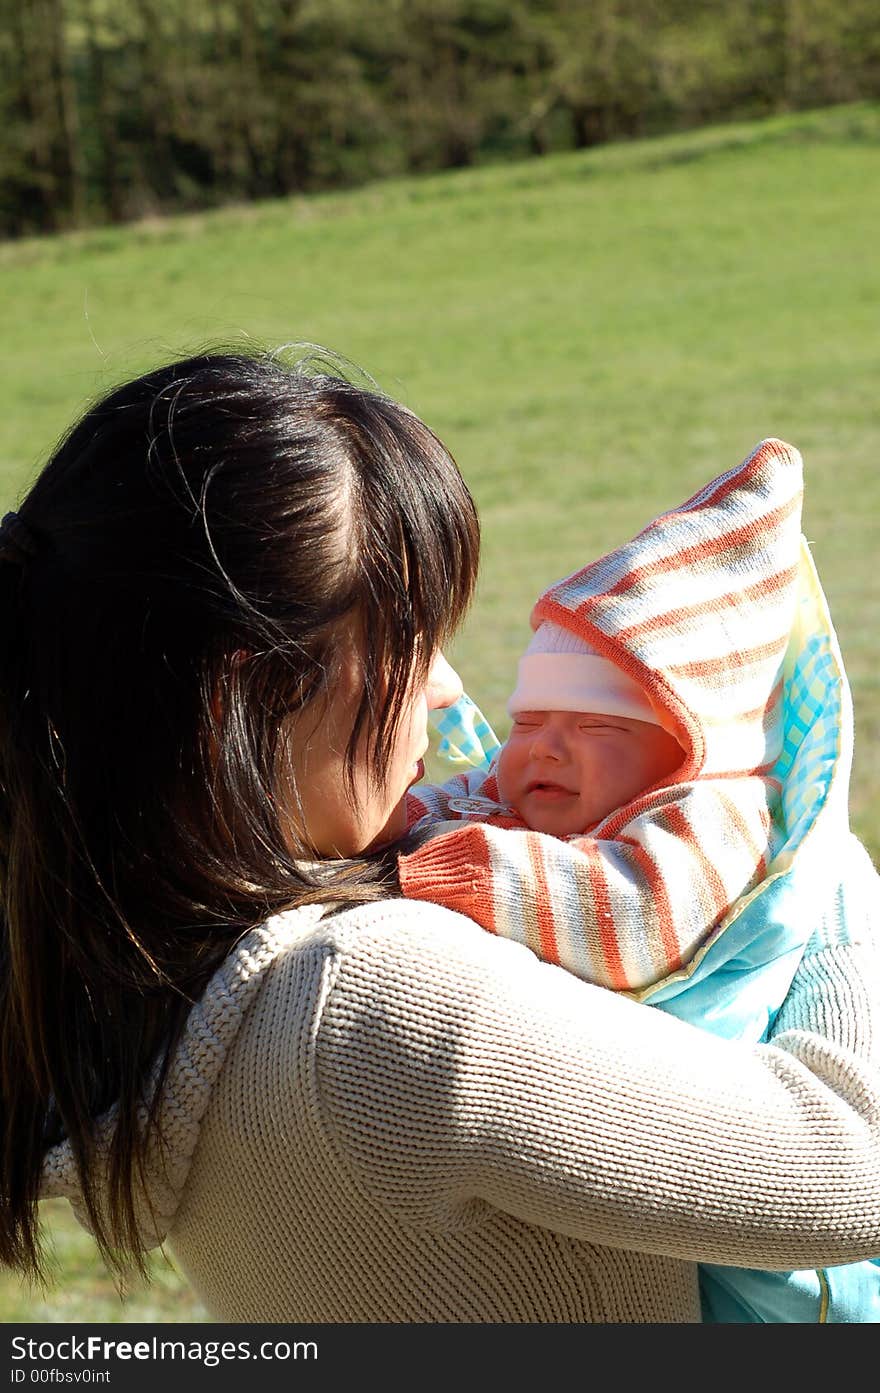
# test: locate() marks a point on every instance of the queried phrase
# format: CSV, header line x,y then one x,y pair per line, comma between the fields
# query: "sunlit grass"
x,y
81,1289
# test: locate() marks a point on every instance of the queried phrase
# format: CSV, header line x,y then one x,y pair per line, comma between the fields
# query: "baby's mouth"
x,y
544,788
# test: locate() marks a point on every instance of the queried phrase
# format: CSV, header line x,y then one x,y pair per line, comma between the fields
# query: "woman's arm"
x,y
460,1073
834,992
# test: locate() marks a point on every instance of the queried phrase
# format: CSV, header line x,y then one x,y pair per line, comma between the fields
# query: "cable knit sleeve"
x,y
461,1076
835,991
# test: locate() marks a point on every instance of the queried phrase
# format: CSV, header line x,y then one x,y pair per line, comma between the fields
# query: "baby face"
x,y
564,771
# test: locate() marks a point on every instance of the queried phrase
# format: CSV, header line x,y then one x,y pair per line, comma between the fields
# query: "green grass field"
x,y
593,335
82,1290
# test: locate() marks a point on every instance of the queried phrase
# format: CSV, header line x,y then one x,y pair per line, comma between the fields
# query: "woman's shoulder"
x,y
263,1006
375,984
394,950
314,931
397,952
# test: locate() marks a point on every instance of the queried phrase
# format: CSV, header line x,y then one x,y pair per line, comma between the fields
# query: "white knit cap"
x,y
561,672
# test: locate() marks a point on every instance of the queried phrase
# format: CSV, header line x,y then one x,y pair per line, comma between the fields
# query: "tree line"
x,y
117,109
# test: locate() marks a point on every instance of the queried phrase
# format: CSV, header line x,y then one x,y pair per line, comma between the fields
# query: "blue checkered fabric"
x,y
467,741
812,737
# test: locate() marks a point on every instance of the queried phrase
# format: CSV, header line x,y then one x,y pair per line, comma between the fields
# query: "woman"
x,y
223,606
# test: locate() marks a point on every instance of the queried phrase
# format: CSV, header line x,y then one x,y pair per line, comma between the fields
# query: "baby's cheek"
x,y
505,771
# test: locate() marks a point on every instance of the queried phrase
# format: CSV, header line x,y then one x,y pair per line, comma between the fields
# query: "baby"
x,y
647,724
585,738
677,726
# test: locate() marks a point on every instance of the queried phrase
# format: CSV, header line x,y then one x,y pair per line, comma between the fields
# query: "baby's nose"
x,y
546,744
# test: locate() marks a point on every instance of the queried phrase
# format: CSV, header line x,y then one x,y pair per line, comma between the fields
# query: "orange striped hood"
x,y
698,609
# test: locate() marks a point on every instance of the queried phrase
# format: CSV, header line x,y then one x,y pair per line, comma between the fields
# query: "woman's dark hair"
x,y
172,587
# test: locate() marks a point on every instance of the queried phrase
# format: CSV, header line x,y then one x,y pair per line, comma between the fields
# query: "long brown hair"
x,y
206,528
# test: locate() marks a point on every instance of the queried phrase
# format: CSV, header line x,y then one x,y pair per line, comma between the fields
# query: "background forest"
x,y
112,110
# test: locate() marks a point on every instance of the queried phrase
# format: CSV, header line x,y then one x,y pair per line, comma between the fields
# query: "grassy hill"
x,y
594,335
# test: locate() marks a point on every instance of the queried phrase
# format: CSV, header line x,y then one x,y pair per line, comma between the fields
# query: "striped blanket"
x,y
698,609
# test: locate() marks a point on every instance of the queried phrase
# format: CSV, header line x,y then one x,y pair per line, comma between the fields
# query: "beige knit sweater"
x,y
389,1115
